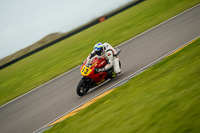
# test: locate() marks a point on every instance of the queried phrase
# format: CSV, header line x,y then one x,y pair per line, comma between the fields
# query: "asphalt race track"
x,y
37,108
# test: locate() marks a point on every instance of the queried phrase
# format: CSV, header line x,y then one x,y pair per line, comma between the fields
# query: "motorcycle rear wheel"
x,y
82,87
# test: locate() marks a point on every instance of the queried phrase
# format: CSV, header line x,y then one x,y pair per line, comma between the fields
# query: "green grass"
x,y
32,71
163,99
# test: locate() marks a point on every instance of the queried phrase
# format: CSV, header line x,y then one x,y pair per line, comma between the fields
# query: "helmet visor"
x,y
99,52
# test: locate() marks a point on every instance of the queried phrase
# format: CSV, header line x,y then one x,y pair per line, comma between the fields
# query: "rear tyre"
x,y
82,88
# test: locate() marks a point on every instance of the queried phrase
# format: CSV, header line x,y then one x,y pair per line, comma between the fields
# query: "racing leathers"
x,y
110,54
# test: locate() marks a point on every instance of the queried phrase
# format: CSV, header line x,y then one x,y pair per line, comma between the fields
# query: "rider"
x,y
106,50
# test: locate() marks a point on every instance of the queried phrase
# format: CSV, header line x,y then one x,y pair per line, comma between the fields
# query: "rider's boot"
x,y
111,73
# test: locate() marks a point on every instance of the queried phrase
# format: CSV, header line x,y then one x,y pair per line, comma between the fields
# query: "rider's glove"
x,y
101,69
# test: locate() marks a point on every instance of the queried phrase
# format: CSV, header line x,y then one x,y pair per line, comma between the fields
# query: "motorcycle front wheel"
x,y
82,87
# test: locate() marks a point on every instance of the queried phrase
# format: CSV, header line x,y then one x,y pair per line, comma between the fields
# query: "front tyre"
x,y
82,87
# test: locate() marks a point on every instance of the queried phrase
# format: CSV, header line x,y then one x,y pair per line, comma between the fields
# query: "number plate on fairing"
x,y
85,71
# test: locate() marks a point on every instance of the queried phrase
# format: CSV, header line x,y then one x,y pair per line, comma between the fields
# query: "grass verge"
x,y
165,98
34,70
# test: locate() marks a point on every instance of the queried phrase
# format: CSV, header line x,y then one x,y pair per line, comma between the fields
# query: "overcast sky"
x,y
24,22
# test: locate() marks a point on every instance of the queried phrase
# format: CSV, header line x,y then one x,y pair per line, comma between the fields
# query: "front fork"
x,y
89,82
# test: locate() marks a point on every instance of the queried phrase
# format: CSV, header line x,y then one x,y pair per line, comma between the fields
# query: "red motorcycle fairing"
x,y
89,72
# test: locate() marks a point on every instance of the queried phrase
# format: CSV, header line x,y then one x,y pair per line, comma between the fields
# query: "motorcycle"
x,y
90,75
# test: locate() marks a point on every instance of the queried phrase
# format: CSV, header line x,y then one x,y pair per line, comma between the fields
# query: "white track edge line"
x,y
130,76
116,47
